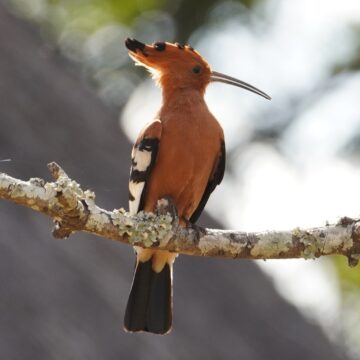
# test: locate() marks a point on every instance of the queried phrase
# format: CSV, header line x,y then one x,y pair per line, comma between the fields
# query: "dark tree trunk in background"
x,y
66,299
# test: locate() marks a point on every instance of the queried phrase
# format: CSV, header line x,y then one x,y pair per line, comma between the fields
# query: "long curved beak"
x,y
219,77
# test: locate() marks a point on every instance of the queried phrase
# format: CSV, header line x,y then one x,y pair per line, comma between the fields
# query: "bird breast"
x,y
188,151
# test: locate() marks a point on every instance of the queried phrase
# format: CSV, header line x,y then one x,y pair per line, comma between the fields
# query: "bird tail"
x,y
149,307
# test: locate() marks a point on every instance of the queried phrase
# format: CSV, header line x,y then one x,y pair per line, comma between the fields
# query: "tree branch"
x,y
73,209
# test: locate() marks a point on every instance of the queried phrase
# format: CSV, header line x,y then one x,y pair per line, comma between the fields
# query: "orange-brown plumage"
x,y
180,154
189,149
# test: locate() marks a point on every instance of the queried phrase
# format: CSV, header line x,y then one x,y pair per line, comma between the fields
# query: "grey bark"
x,y
74,209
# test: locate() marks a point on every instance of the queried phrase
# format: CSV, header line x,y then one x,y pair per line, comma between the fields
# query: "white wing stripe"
x,y
141,160
136,190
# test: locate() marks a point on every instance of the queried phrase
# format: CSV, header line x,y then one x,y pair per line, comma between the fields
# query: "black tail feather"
x,y
149,306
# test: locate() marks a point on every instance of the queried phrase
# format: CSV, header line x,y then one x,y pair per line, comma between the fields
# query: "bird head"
x,y
178,66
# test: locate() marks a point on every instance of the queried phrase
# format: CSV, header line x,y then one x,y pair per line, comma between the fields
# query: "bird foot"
x,y
166,206
190,225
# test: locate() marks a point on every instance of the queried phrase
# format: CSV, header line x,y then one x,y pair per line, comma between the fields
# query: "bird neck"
x,y
182,99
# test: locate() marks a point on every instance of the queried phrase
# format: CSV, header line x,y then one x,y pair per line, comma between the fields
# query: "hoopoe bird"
x,y
179,154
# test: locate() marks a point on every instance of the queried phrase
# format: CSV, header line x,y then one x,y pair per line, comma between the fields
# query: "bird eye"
x,y
160,46
196,69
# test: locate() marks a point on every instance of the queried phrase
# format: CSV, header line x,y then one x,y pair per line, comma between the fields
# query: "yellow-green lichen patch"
x,y
165,228
123,221
70,190
149,229
97,218
271,245
144,229
63,182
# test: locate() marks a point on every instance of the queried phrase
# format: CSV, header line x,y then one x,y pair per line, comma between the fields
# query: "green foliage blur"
x,y
90,15
91,32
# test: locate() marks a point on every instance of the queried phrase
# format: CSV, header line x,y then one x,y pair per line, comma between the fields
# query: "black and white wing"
x,y
143,159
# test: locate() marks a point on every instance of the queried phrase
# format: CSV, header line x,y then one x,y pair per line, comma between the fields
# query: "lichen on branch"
x,y
74,209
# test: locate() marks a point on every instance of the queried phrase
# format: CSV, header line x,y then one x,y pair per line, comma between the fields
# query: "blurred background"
x,y
69,93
